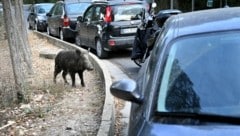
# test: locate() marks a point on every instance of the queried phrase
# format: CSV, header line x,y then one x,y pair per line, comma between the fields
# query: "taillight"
x,y
66,21
108,15
111,42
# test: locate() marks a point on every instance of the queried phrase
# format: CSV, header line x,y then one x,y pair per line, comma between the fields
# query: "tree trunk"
x,y
18,45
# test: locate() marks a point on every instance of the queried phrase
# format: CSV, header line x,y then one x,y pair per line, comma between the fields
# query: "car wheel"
x,y
101,53
77,40
48,31
35,26
61,34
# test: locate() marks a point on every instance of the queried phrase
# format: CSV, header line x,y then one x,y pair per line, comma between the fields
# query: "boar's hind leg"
x,y
64,73
73,79
56,71
80,73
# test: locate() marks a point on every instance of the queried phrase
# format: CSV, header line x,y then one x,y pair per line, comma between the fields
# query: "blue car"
x,y
190,84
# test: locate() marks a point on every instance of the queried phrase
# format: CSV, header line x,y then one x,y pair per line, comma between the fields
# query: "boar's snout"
x,y
86,62
90,67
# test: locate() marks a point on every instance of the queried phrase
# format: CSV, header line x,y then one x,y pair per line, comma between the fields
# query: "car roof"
x,y
204,21
75,1
42,4
114,2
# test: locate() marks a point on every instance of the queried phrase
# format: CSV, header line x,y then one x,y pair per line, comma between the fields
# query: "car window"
x,y
58,10
126,12
76,8
201,74
88,14
32,9
98,14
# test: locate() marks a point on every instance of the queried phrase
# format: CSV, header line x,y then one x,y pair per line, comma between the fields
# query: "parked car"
x,y
109,25
37,16
1,8
189,85
63,16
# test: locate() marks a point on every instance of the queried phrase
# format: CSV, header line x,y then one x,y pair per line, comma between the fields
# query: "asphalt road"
x,y
123,61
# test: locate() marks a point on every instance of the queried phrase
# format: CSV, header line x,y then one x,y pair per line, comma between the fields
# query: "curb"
x,y
107,122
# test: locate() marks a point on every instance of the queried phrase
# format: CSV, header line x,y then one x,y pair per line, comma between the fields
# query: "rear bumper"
x,y
115,43
42,25
69,33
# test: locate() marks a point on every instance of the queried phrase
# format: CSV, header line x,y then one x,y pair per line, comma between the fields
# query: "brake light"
x,y
66,21
108,15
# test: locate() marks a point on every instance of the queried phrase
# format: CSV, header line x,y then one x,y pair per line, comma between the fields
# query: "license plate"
x,y
128,30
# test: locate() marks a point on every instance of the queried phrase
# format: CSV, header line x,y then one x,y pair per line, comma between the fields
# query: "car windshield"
x,y
44,8
201,75
127,12
76,8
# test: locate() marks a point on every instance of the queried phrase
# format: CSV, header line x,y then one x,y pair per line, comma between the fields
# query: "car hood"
x,y
191,130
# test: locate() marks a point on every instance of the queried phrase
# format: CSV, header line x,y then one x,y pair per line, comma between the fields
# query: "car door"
x,y
139,112
32,15
94,27
55,19
83,33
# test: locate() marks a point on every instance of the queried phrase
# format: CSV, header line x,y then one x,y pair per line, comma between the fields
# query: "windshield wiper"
x,y
205,117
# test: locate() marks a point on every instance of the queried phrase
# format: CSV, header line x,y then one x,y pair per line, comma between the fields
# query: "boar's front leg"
x,y
80,73
73,79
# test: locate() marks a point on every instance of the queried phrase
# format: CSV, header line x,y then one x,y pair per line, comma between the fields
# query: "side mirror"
x,y
48,14
80,19
126,89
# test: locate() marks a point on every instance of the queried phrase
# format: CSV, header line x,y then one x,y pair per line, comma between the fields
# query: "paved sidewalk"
x,y
118,74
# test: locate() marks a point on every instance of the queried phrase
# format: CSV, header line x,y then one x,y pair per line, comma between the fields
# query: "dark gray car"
x,y
109,25
63,16
189,86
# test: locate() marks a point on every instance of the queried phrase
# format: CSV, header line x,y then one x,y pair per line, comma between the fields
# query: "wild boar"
x,y
72,62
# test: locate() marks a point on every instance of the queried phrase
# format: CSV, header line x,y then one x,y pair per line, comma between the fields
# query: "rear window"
x,y
127,12
76,8
44,8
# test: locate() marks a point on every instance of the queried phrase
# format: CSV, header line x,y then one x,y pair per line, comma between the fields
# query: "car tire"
x,y
101,53
29,26
35,27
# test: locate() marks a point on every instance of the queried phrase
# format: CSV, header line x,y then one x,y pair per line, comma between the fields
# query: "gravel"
x,y
51,109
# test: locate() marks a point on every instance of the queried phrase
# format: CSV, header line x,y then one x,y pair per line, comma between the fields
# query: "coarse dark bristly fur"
x,y
72,62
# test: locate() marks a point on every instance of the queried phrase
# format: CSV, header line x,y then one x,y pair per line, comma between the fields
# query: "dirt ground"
x,y
51,109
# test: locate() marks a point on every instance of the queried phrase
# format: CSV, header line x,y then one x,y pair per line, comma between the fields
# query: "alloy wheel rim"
x,y
48,32
99,48
61,35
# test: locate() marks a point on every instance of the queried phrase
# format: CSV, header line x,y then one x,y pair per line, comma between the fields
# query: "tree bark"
x,y
18,45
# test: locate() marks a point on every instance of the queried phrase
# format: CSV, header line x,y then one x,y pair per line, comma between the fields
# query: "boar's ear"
x,y
78,52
